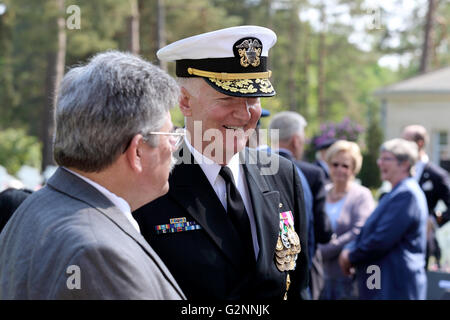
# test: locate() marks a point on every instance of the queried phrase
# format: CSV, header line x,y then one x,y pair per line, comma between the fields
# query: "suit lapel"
x,y
265,204
74,187
187,182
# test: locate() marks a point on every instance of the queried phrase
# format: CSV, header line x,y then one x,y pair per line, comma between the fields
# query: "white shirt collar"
x,y
420,166
211,168
424,158
119,202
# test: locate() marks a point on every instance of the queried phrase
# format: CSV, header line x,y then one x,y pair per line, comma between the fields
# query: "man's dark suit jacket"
x,y
435,183
325,173
316,180
207,262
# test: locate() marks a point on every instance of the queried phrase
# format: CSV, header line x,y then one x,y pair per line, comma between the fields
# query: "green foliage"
x,y
370,174
18,149
28,39
177,117
103,26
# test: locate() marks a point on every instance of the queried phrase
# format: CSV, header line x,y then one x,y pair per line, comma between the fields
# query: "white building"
x,y
424,100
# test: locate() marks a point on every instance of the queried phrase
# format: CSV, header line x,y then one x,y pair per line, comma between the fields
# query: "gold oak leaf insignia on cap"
x,y
241,86
249,51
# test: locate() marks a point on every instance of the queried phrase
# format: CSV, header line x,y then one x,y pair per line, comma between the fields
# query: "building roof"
x,y
434,82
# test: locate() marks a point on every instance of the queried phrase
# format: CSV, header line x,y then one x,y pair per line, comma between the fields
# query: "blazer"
x,y
316,180
435,183
394,239
68,241
206,261
358,205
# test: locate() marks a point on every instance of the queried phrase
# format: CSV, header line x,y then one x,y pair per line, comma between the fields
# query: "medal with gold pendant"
x,y
288,243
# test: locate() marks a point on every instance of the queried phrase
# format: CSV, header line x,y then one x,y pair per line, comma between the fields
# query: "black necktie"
x,y
237,213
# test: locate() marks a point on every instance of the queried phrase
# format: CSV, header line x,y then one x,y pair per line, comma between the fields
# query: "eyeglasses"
x,y
177,135
343,165
385,159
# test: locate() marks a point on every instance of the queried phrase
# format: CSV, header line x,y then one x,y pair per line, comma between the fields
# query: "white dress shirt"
x,y
420,165
212,169
119,202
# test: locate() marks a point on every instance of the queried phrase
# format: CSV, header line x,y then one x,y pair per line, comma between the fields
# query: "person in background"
x,y
321,151
435,183
348,205
389,252
76,238
291,131
10,200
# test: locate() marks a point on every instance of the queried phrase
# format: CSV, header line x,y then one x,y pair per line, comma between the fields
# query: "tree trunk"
x,y
268,8
428,38
304,90
134,46
161,27
55,73
321,66
8,95
294,27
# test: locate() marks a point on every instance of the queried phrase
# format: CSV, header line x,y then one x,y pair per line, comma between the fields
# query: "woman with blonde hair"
x,y
348,205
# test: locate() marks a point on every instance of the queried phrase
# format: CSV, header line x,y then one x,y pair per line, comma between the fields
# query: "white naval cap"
x,y
232,60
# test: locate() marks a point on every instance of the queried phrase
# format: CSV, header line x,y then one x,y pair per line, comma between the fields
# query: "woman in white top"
x,y
348,205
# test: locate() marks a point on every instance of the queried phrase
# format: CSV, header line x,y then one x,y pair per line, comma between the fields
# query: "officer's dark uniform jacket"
x,y
207,261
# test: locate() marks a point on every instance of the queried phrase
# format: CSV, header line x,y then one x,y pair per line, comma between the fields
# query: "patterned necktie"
x,y
237,214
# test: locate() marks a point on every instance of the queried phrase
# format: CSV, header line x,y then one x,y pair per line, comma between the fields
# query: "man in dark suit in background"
x,y
291,127
321,150
230,227
435,183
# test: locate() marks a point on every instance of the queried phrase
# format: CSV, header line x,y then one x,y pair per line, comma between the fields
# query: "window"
x,y
441,149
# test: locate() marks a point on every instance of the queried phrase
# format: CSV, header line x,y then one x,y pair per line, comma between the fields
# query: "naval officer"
x,y
231,227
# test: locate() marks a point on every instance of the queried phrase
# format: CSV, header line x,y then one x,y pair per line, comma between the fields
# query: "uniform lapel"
x,y
265,204
187,182
74,187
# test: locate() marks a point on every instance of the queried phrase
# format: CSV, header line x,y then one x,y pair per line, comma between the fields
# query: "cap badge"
x,y
249,50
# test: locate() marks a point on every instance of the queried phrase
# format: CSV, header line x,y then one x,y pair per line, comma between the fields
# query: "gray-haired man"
x,y
76,237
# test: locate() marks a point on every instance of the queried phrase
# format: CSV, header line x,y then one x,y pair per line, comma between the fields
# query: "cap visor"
x,y
243,88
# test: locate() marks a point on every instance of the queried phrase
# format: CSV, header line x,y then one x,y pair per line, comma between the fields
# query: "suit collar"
x,y
119,202
74,187
286,153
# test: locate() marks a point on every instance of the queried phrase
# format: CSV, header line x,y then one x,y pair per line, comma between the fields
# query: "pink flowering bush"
x,y
345,130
